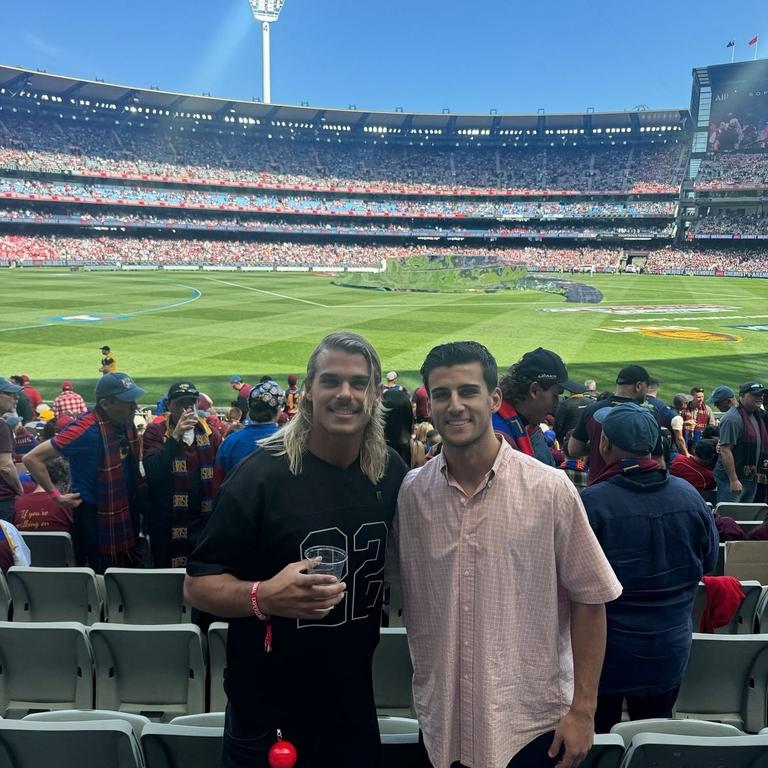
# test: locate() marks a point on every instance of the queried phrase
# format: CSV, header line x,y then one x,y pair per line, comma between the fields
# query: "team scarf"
x,y
749,439
113,506
626,467
181,484
515,425
701,419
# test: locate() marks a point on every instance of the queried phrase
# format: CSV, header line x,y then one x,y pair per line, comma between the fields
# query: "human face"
x,y
751,401
119,412
641,390
461,404
726,404
338,393
7,402
698,399
543,401
177,406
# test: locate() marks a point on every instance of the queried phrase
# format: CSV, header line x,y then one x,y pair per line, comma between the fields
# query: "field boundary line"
x,y
269,293
25,327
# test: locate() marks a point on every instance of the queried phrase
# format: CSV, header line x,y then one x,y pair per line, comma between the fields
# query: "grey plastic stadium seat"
x,y
55,594
743,621
95,744
44,666
761,612
181,746
50,550
720,564
146,596
629,729
606,752
5,598
393,673
726,681
137,722
742,511
661,750
153,670
203,719
217,655
392,726
749,525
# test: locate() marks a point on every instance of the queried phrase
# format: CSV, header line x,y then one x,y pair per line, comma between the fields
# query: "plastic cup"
x,y
334,560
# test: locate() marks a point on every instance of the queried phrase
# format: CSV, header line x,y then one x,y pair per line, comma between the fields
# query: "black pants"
x,y
639,707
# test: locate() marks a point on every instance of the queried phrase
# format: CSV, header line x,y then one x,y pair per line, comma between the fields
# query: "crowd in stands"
x,y
731,223
58,146
722,169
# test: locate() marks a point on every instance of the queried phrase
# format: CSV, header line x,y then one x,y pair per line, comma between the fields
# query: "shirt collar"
x,y
503,457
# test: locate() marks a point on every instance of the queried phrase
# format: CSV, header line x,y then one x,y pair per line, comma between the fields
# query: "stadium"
x,y
208,239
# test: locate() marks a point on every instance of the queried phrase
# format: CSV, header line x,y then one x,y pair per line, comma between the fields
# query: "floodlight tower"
x,y
266,12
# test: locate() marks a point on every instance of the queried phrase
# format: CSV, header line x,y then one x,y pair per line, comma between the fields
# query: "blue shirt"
x,y
659,537
242,443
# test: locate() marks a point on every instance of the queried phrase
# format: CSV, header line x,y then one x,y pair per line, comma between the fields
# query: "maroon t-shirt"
x,y
421,399
38,512
6,446
699,476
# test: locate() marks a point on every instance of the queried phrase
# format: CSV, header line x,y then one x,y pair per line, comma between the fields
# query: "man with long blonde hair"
x,y
325,479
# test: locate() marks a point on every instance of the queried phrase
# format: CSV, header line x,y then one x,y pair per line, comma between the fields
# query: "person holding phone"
x,y
179,454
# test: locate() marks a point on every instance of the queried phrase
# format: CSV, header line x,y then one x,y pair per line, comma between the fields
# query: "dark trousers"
x,y
639,707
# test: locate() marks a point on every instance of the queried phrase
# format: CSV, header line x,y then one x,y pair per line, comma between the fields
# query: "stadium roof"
x,y
95,94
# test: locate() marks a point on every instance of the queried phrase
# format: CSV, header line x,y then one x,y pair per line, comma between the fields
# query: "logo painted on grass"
x,y
679,332
751,327
644,309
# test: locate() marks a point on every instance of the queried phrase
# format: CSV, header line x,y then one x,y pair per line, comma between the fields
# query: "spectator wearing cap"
x,y
660,538
33,395
10,486
108,361
68,403
697,416
108,490
631,387
265,403
697,468
24,408
723,398
743,461
179,455
531,390
392,384
24,439
243,389
292,398
676,425
661,410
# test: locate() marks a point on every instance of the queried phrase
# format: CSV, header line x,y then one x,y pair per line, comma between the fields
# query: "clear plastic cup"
x,y
334,560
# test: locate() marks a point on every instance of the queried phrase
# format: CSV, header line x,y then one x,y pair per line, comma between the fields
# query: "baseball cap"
x,y
629,426
183,389
392,375
235,380
752,388
66,385
543,365
268,392
291,380
25,378
119,385
12,420
105,348
8,387
204,402
721,393
631,374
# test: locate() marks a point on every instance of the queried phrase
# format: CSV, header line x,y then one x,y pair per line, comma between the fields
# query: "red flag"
x,y
752,41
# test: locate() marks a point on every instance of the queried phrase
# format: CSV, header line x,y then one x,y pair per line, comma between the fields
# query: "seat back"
x,y
55,594
747,560
720,564
137,722
44,666
146,596
743,621
629,729
393,673
153,670
95,744
662,750
726,680
606,752
5,598
50,550
204,719
217,654
742,511
181,746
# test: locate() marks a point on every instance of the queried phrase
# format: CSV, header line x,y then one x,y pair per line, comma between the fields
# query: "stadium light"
x,y
266,12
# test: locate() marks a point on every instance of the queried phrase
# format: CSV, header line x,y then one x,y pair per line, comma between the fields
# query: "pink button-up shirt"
x,y
487,583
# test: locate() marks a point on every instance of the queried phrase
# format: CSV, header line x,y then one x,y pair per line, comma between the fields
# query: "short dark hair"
x,y
710,431
260,411
457,353
706,450
516,386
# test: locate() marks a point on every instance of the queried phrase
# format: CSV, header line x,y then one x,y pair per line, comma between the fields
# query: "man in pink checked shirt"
x,y
503,585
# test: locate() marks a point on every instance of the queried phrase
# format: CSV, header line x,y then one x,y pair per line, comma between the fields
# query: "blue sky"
x,y
422,55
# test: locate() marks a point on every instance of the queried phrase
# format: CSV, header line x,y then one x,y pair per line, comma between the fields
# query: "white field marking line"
x,y
24,327
692,317
196,295
269,293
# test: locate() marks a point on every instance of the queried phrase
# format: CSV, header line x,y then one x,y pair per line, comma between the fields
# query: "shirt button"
x,y
466,643
466,573
466,608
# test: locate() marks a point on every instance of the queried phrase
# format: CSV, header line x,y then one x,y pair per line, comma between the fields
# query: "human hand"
x,y
575,732
70,500
296,595
187,421
736,486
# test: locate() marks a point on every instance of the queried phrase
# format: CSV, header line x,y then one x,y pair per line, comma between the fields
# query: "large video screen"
x,y
739,115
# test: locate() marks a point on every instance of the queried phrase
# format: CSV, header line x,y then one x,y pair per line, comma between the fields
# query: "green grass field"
x,y
206,326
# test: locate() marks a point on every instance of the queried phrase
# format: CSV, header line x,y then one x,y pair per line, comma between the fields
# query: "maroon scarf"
x,y
626,467
750,438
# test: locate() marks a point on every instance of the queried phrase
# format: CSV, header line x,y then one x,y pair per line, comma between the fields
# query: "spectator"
x,y
398,427
178,460
697,469
676,425
696,416
69,402
292,397
10,487
660,538
243,389
723,397
420,400
33,395
37,511
392,384
24,440
108,361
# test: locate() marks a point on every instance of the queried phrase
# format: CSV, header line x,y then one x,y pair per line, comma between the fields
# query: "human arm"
x,y
8,472
575,731
729,465
677,436
35,461
577,448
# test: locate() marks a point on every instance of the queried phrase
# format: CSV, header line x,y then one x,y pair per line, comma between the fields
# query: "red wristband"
x,y
54,494
255,602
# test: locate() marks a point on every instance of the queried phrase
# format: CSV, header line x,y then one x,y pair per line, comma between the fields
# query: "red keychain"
x,y
282,754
